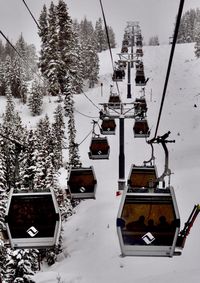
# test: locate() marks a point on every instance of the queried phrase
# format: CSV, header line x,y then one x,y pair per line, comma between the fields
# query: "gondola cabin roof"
x,y
148,224
141,129
142,178
82,183
108,127
33,220
99,148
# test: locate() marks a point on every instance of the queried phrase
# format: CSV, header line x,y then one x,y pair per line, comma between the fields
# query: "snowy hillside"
x,y
91,252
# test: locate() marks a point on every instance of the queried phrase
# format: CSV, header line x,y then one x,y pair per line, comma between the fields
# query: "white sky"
x,y
156,17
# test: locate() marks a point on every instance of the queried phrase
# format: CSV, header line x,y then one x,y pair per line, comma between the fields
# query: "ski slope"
x,y
91,252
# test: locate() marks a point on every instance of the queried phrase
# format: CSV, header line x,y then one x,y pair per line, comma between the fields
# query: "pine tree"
x,y
74,158
9,51
197,38
18,82
12,130
153,41
111,35
35,100
58,136
188,24
22,61
92,64
89,52
2,80
20,264
43,33
100,36
28,164
69,50
52,55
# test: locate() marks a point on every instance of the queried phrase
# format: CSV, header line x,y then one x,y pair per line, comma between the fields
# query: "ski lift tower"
x,y
132,27
125,111
128,58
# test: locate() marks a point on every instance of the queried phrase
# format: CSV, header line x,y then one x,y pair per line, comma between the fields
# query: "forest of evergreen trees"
x,y
189,26
68,61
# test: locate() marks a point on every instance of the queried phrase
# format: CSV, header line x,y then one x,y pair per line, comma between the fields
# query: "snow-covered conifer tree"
x,y
100,36
35,100
197,39
111,35
20,264
43,33
58,136
52,54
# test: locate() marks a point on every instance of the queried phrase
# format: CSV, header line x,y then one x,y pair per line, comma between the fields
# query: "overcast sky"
x,y
156,17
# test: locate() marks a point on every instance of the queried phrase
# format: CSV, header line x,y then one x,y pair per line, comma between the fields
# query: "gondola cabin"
x,y
82,183
139,43
140,66
122,64
140,105
99,148
124,49
118,75
114,101
140,78
141,129
125,42
108,127
148,223
139,52
142,178
33,220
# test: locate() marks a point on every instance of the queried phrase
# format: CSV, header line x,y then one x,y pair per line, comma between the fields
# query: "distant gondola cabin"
x,y
99,148
141,129
108,127
114,101
142,177
140,105
118,75
140,78
82,183
139,52
33,220
124,49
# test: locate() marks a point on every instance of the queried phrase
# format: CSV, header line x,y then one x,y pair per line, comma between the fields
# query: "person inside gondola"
x,y
137,225
163,224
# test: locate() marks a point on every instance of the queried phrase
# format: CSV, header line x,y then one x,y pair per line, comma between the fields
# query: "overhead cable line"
x,y
108,40
11,44
85,115
31,14
170,63
22,57
91,101
85,138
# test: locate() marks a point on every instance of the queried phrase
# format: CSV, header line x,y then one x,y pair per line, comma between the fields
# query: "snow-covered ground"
x,y
91,252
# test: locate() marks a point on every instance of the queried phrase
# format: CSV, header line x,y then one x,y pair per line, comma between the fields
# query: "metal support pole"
x,y
132,44
121,182
129,81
